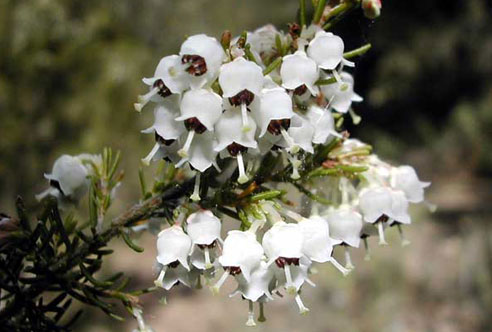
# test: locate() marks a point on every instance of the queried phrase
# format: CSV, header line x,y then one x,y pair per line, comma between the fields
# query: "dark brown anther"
x,y
383,218
300,90
195,124
173,265
159,139
275,126
163,89
233,270
276,148
197,67
282,261
234,149
243,97
210,246
241,42
55,184
294,30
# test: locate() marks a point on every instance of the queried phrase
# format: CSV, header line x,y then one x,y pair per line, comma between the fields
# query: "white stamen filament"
x,y
310,282
208,263
348,259
289,286
302,308
244,115
160,278
382,240
257,224
261,316
367,256
216,288
404,241
343,86
291,214
243,178
271,213
251,315
146,161
183,152
45,193
144,99
196,190
355,118
293,147
339,267
138,315
348,63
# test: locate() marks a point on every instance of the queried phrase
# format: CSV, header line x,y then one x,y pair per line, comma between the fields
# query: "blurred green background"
x,y
70,72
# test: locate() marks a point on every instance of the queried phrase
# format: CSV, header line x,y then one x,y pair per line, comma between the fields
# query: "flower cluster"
x,y
279,247
263,91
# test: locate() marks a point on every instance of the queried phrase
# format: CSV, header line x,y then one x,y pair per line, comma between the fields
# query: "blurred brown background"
x,y
70,71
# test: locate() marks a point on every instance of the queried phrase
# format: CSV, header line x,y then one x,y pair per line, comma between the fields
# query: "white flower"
x,y
345,227
375,203
229,134
174,276
317,244
259,285
326,49
399,208
241,254
173,248
169,78
68,178
275,104
262,41
340,96
202,104
166,130
323,123
204,229
299,72
405,178
241,81
202,56
239,75
200,152
300,135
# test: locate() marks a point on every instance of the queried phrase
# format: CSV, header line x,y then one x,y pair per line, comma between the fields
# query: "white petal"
x,y
203,104
297,69
203,227
326,49
173,245
276,104
229,129
240,75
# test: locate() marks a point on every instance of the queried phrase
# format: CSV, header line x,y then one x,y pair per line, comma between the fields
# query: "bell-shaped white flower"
x,y
262,40
341,95
204,229
326,49
172,276
299,136
259,285
274,112
202,56
345,224
68,177
201,153
323,123
239,75
283,244
405,178
241,254
241,80
202,104
317,244
299,72
345,227
166,130
229,134
375,202
173,248
169,78
294,280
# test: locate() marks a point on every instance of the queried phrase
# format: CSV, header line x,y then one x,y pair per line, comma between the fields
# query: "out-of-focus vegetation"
x,y
70,71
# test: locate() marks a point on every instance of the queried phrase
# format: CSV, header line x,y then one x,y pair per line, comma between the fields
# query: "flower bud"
x,y
8,225
371,8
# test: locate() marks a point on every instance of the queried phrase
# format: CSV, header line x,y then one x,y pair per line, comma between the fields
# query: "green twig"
x,y
357,52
